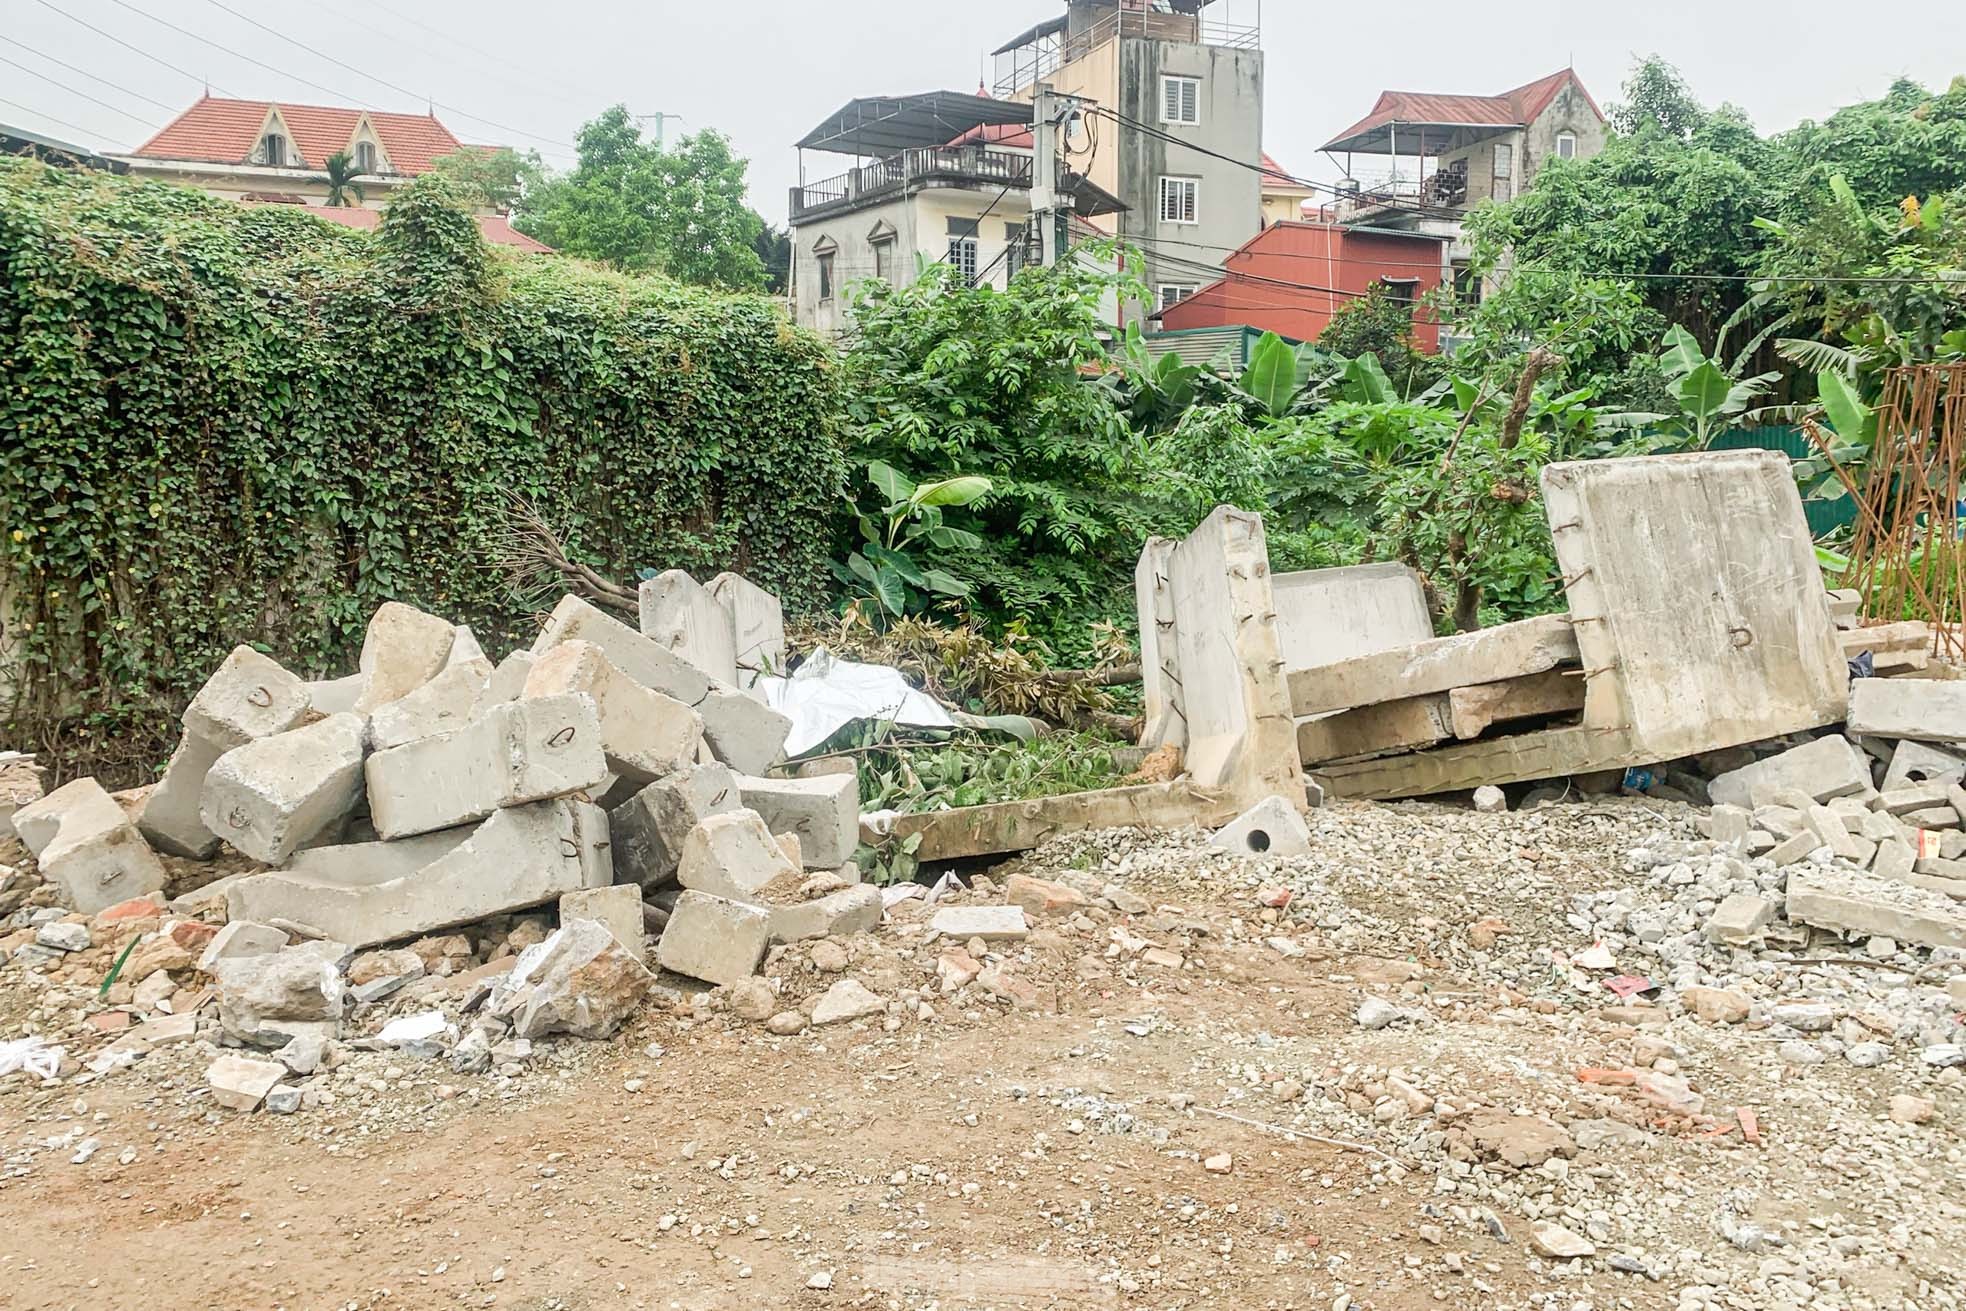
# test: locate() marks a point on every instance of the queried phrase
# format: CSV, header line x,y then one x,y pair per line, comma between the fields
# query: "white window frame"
x,y
1173,293
1185,100
266,140
962,258
1503,160
1172,186
1566,145
825,267
373,156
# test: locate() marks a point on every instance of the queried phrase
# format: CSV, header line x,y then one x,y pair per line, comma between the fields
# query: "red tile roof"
x,y
1276,175
497,228
1517,108
226,131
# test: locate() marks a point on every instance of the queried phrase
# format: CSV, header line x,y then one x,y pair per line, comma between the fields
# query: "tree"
x,y
774,247
1657,99
494,179
341,171
638,207
1380,324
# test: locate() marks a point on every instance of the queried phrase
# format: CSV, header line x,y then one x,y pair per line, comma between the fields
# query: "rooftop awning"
x,y
881,125
1049,27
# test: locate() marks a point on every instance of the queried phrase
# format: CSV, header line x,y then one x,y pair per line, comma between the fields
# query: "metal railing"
x,y
1027,64
886,177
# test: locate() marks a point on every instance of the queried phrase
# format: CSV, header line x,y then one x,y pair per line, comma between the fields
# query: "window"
x,y
1467,284
1180,100
1566,145
884,260
1504,172
1173,293
826,276
1180,200
273,149
1400,289
962,248
365,156
1014,253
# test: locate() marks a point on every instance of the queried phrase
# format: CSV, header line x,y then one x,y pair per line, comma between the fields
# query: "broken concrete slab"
x,y
248,697
1824,769
1861,905
86,845
1021,825
648,662
1921,709
757,623
1272,827
1375,730
617,908
508,678
742,731
239,939
585,982
734,855
644,734
1472,711
1438,665
442,705
1160,673
241,1083
335,696
1740,920
516,753
520,856
363,864
714,940
849,910
681,614
990,923
170,819
269,797
823,812
403,649
651,827
1328,615
263,998
1913,763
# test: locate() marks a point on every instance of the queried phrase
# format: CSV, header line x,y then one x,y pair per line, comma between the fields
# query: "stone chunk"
x,y
651,827
521,856
1831,831
712,939
1042,896
1715,1005
1559,1244
508,678
1741,920
649,663
442,705
585,982
170,821
1272,827
617,908
855,909
248,697
268,797
87,846
1825,768
1860,905
1490,800
645,735
238,939
241,1083
682,615
521,752
1729,823
1791,850
261,998
848,999
758,624
734,855
403,649
1922,709
990,923
742,731
823,812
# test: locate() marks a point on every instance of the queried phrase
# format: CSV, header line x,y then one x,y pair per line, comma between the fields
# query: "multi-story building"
x,y
1164,151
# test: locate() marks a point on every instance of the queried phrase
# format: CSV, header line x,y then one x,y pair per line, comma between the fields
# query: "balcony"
x,y
1440,195
1049,46
898,175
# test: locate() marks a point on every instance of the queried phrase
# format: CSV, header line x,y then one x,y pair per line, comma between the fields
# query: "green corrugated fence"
x,y
1824,516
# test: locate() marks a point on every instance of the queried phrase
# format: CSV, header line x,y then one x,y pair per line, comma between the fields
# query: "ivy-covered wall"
x,y
227,423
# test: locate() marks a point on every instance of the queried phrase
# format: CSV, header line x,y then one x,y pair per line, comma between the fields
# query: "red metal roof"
x,y
1276,175
222,131
497,228
1517,108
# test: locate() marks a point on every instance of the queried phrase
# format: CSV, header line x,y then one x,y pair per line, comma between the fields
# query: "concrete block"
x,y
1781,821
170,820
239,939
465,648
1796,847
652,826
1831,831
248,697
521,856
1406,725
1474,710
403,649
262,998
335,696
742,731
617,908
1272,827
267,798
241,1083
516,753
757,623
508,679
585,983
1933,817
1859,905
443,705
86,845
1160,670
1922,709
823,812
648,662
714,940
1728,823
1328,615
1894,860
682,615
734,855
644,734
1826,768
363,864
990,923
1435,666
855,909
1913,763
1741,920
1907,797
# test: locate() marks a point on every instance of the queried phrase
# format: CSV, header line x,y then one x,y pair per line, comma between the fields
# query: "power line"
x,y
73,127
450,38
47,4
169,109
73,92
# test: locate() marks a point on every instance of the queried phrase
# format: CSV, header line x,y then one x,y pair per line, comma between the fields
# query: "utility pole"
x,y
1046,110
660,120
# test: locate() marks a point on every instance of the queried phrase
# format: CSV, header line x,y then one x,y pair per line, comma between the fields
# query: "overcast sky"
x,y
764,71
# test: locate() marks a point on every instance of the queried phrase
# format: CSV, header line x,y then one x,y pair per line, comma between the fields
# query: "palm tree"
x,y
341,181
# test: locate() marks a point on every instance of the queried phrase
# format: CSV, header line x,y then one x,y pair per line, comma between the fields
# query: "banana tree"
x,y
896,539
1710,400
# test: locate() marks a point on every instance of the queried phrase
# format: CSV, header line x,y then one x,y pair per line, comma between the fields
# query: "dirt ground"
x,y
1061,1156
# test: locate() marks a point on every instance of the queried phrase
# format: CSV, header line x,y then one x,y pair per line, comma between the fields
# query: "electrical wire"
x,y
204,81
93,77
63,86
38,113
574,96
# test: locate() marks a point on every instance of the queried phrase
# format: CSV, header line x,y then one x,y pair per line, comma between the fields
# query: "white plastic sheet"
x,y
31,1054
825,694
